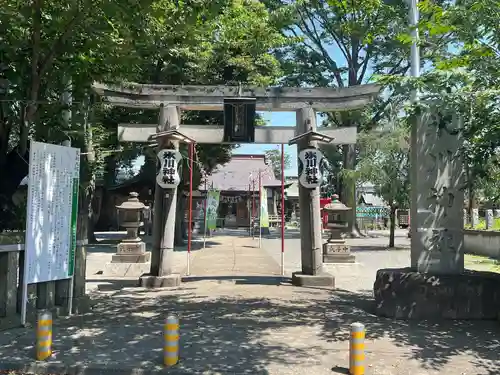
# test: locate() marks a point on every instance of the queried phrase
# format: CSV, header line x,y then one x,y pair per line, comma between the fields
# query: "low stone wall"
x,y
482,242
51,295
406,294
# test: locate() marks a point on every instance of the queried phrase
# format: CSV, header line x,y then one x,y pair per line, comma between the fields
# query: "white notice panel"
x,y
51,212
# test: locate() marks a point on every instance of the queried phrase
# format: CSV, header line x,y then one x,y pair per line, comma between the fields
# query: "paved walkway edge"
x,y
42,368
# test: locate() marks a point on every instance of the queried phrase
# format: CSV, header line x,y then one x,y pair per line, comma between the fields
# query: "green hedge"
x,y
482,225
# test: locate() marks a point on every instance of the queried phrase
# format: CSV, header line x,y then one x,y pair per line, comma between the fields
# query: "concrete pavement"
x,y
238,317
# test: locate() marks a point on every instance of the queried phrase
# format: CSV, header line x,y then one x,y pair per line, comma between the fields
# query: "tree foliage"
x,y
51,48
274,158
384,161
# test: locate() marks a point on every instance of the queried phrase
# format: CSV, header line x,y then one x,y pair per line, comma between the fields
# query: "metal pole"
x,y
205,215
67,143
416,123
260,209
282,210
249,211
253,208
415,49
190,214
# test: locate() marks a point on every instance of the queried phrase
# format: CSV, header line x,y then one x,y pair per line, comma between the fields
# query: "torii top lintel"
x,y
212,97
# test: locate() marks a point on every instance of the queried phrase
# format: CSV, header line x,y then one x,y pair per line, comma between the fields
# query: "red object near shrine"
x,y
324,215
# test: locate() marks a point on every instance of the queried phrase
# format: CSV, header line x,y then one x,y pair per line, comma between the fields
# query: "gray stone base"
x,y
337,251
133,247
126,269
406,294
338,258
321,280
169,281
131,258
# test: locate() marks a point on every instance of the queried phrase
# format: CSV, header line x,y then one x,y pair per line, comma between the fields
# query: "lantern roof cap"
x,y
132,203
335,205
311,136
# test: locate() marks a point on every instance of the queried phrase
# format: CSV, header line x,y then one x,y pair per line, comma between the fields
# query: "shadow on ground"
x,y
235,334
433,344
361,248
110,247
242,280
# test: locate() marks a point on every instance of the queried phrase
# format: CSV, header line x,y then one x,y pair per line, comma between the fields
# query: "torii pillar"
x,y
311,241
164,213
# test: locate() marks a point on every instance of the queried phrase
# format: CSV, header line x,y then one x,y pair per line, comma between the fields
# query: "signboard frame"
x,y
37,149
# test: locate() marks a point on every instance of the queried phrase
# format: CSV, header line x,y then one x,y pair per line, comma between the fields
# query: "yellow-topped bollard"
x,y
44,335
357,349
171,341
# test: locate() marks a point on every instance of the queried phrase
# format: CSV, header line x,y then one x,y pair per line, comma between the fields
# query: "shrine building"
x,y
238,182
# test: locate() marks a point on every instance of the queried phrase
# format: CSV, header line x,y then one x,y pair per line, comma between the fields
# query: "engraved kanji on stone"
x,y
441,240
442,197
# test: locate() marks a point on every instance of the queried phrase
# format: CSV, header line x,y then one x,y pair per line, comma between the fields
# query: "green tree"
x,y
464,78
50,44
342,44
384,161
348,43
274,158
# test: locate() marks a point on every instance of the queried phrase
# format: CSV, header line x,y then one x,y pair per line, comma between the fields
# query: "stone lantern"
x,y
131,249
335,250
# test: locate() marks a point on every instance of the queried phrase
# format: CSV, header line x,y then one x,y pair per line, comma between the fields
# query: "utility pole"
x,y
416,247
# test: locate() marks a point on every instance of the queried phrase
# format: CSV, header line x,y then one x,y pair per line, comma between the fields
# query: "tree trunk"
x,y
180,222
91,225
106,219
392,226
82,230
349,190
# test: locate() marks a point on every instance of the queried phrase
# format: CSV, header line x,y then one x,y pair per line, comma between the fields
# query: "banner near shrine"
x,y
212,208
264,214
52,209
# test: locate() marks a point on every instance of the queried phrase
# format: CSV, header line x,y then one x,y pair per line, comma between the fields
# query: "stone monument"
x,y
131,258
489,219
474,219
335,250
436,285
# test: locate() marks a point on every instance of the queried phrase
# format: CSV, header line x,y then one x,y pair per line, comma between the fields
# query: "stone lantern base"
x,y
130,260
131,252
337,251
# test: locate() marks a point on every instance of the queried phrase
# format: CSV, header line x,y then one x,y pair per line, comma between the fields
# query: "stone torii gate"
x,y
171,100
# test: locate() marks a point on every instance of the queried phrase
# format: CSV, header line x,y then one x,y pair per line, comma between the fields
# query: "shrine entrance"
x,y
239,105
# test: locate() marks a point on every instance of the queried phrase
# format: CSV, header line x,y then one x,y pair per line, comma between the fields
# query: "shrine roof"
x,y
240,171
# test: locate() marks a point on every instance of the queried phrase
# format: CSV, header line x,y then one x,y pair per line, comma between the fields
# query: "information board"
x,y
51,212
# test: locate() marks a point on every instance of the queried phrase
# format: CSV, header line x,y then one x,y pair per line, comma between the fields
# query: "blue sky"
x,y
275,119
